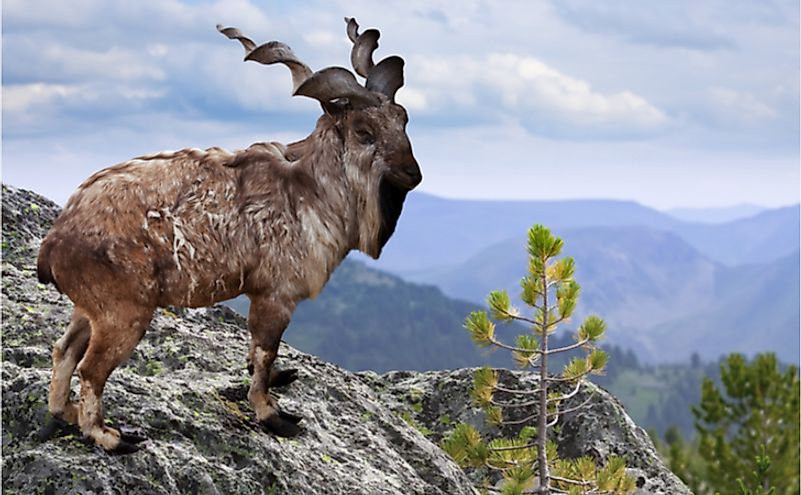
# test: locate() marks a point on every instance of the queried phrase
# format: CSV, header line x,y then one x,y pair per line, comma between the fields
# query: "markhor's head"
x,y
370,124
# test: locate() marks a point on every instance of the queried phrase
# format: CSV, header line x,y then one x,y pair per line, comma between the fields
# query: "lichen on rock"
x,y
439,400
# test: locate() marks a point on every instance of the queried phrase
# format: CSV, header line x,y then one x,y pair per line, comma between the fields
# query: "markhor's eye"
x,y
364,136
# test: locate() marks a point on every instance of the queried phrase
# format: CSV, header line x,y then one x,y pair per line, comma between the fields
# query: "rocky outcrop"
x,y
436,401
185,389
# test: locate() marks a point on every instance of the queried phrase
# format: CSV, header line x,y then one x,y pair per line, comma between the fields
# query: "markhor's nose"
x,y
413,171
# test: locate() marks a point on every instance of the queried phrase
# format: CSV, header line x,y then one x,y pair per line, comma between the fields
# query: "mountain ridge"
x,y
451,231
717,214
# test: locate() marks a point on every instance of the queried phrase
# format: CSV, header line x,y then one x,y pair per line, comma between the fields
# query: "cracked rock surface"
x,y
436,401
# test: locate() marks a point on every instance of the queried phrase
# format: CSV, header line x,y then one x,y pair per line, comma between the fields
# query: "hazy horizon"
x,y
671,211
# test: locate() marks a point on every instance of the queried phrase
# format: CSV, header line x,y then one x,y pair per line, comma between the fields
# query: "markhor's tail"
x,y
43,269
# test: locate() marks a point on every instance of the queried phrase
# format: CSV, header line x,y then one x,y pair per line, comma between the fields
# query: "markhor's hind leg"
x,y
67,352
113,339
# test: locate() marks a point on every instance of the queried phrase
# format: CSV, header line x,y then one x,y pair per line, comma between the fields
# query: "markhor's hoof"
x,y
55,427
290,417
281,427
283,377
131,438
123,448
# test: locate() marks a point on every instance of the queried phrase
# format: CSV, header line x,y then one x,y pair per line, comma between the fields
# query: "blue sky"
x,y
681,103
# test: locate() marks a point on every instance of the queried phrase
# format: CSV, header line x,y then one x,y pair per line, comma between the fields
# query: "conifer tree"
x,y
528,463
683,459
749,431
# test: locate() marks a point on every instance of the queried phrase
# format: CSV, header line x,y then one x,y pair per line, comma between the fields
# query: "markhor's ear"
x,y
386,77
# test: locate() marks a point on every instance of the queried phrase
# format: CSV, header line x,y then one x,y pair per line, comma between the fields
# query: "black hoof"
x,y
131,438
281,427
290,417
56,427
283,377
127,433
123,448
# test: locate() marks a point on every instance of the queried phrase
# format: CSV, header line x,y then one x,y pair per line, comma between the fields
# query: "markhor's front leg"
x,y
267,320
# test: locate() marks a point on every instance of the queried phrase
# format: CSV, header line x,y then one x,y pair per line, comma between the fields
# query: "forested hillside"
x,y
365,319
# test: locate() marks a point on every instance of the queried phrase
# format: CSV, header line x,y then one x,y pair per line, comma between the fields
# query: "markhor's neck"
x,y
362,207
338,198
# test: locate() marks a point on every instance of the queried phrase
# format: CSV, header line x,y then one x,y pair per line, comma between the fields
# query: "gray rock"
x,y
436,401
185,389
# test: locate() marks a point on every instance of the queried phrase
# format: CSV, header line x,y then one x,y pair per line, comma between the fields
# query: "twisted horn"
x,y
235,34
271,53
352,28
387,76
361,55
337,82
324,85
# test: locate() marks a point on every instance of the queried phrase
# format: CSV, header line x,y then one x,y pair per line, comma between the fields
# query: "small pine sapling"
x,y
528,463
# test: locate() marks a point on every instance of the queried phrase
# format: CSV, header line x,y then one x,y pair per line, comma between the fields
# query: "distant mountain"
x,y
659,295
366,319
715,215
437,233
769,235
754,308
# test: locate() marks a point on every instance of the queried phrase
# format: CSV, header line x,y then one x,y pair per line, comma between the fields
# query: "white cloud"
x,y
166,19
158,49
112,63
325,39
117,78
744,107
50,13
43,108
23,97
685,24
530,83
412,99
534,93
